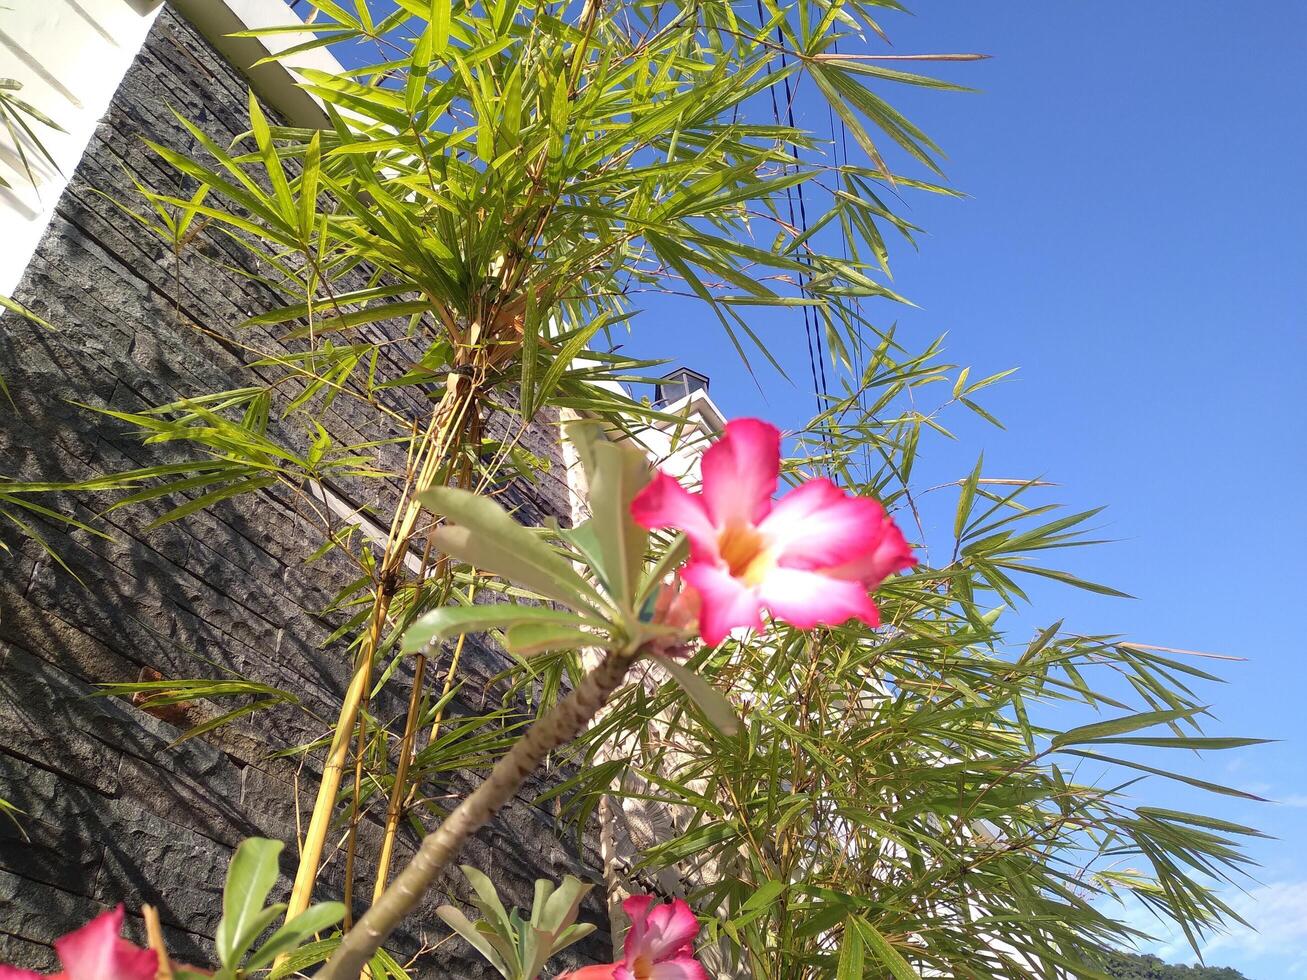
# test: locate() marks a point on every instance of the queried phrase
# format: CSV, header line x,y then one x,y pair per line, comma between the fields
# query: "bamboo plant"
x,y
498,184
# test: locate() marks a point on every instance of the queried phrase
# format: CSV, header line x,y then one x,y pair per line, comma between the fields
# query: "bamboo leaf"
x,y
888,956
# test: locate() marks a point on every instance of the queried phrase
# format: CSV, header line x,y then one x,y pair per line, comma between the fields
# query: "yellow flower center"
x,y
745,552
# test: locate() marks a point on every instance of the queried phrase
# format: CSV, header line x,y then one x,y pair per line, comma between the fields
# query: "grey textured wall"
x,y
113,813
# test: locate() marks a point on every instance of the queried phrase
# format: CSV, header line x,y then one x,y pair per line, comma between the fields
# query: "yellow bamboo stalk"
x,y
449,682
396,812
351,846
154,938
459,398
398,791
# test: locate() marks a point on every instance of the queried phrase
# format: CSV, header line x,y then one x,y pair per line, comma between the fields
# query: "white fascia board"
x,y
699,408
274,82
71,55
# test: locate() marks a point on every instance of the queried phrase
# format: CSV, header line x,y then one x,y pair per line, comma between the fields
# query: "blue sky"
x,y
1133,242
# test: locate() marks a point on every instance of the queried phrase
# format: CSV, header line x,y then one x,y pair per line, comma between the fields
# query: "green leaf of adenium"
x,y
448,621
484,535
251,875
709,700
464,926
615,472
528,639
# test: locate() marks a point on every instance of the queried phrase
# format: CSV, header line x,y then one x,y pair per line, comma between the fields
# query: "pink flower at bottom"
x,y
96,951
659,945
809,558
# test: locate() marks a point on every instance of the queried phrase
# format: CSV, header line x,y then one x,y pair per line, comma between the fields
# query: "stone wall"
x,y
114,811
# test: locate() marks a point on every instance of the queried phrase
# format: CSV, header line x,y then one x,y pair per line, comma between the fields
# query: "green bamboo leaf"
x,y
212,497
882,950
441,14
14,306
1194,743
310,954
314,919
850,964
276,175
308,185
226,718
1178,777
1120,726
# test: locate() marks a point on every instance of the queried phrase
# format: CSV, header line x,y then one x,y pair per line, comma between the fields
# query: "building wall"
x,y
60,52
114,812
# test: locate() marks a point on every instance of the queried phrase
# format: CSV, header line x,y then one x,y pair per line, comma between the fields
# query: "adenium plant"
x,y
810,558
518,947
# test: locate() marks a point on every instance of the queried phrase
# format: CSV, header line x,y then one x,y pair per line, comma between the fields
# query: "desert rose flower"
x,y
96,952
659,946
809,558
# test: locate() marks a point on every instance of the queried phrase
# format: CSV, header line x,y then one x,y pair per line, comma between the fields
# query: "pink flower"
x,y
810,558
96,952
659,946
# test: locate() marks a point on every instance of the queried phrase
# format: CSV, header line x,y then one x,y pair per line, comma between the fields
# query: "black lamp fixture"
x,y
679,384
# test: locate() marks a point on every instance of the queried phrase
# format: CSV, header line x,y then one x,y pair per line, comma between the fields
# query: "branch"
x,y
559,726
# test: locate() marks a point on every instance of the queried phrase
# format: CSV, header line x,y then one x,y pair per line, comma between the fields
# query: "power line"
x,y
816,356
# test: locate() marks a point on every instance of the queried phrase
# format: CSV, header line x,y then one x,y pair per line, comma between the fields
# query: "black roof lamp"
x,y
680,384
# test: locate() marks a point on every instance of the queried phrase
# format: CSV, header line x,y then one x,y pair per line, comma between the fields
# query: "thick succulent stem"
x,y
557,727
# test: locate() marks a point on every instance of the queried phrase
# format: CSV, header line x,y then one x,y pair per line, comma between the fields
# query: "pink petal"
x,y
670,928
637,909
97,952
817,525
890,555
13,973
665,503
727,602
604,971
740,471
681,968
807,599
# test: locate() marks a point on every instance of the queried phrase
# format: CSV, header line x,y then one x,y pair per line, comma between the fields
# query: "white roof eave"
x,y
274,82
